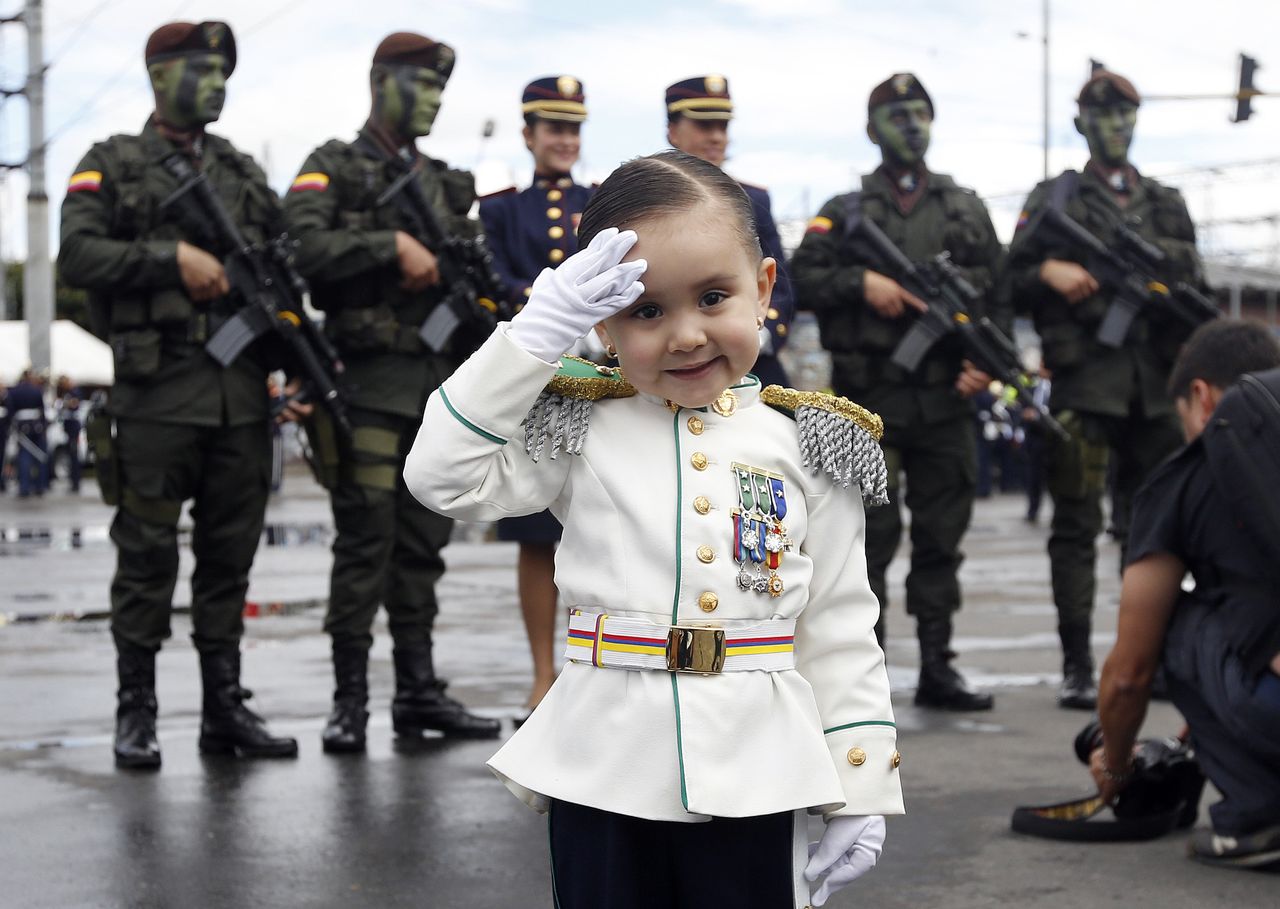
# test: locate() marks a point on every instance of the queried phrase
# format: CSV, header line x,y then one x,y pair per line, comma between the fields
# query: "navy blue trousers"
x,y
601,860
1234,718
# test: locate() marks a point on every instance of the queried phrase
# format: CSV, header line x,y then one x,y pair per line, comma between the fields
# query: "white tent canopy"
x,y
76,353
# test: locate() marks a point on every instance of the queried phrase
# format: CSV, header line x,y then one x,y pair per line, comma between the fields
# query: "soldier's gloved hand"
x,y
588,287
849,849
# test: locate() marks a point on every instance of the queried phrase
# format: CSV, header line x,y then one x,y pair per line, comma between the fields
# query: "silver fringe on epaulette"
x,y
844,450
558,418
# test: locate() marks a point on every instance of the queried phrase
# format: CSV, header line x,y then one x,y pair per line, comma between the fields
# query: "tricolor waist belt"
x,y
614,642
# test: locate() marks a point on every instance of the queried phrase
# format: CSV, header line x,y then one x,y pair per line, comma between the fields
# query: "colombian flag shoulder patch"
x,y
315,181
819,225
85,181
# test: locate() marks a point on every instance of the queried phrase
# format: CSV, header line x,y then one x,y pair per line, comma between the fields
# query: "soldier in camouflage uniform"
x,y
863,313
377,285
185,427
1108,399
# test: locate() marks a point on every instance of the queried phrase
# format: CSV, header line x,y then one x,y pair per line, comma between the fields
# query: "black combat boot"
x,y
421,704
344,733
1078,690
227,726
940,686
135,746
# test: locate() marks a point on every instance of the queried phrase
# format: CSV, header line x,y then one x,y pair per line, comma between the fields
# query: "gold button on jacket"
x,y
857,757
554,213
708,602
706,554
701,504
699,461
696,425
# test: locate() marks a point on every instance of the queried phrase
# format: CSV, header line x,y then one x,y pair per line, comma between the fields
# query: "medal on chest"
x,y
759,534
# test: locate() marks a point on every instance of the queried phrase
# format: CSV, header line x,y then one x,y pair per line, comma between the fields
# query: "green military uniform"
x,y
186,428
1108,399
928,426
388,546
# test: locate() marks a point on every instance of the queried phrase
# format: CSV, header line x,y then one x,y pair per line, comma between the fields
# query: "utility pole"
x,y
1045,30
37,282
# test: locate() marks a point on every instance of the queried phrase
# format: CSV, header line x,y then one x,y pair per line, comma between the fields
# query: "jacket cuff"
x,y
162,261
866,759
382,244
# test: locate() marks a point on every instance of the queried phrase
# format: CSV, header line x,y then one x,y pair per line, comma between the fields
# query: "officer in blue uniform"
x,y
698,113
529,231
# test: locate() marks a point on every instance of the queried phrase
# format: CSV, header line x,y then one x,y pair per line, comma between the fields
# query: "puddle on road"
x,y
21,541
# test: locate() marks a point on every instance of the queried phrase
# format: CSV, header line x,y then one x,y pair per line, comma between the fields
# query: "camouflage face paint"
x,y
901,129
190,90
1109,132
407,100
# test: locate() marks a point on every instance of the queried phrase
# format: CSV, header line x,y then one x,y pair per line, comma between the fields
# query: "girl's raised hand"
x,y
588,287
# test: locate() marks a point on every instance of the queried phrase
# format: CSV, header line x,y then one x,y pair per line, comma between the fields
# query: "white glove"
x,y
849,849
588,287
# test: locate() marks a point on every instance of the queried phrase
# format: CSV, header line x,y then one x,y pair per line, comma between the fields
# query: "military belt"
x,y
615,642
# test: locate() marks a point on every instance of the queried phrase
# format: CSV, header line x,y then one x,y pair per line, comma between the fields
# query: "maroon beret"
x,y
898,87
410,49
1106,88
177,39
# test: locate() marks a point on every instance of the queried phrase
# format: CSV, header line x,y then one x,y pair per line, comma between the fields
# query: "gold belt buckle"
x,y
692,648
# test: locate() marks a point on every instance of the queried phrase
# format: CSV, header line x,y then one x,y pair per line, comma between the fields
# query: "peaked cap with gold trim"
x,y
836,435
555,98
700,98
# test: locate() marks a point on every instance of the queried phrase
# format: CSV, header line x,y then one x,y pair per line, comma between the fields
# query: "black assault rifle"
x,y
949,298
475,299
269,289
1125,270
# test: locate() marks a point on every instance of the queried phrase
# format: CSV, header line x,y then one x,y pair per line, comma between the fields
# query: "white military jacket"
x,y
647,507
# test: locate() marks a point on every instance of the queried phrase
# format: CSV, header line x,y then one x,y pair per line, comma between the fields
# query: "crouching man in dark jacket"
x,y
1218,645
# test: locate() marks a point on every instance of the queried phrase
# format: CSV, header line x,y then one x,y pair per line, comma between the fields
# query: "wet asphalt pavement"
x,y
429,826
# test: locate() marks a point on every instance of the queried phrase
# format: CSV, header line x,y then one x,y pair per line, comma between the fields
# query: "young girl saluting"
x,y
723,675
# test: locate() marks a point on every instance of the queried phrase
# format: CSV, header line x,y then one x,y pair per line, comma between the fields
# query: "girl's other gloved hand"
x,y
588,287
849,849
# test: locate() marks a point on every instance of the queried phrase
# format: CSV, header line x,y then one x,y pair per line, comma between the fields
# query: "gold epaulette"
x,y
562,412
836,436
582,379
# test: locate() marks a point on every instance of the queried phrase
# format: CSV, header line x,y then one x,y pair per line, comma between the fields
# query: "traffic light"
x,y
1246,92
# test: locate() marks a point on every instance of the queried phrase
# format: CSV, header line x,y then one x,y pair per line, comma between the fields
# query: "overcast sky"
x,y
799,74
